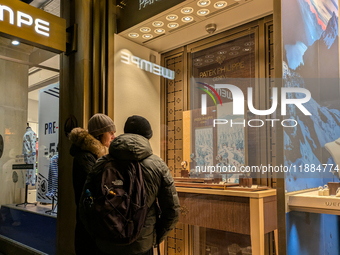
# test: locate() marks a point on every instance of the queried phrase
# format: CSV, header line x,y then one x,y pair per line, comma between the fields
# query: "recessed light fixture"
x,y
15,42
187,19
145,29
198,64
233,53
173,25
203,12
198,60
249,43
235,48
159,31
247,49
220,4
187,10
158,24
133,35
203,3
222,52
147,36
209,56
172,17
208,60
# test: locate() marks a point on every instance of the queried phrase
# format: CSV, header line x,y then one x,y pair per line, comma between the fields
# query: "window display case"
x,y
311,62
225,209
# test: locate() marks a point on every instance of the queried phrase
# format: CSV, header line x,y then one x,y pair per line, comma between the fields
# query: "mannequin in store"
x,y
334,149
29,152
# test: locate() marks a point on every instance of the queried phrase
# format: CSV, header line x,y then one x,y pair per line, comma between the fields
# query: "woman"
x,y
88,146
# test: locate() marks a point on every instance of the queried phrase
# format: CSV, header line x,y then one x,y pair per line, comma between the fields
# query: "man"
x,y
134,145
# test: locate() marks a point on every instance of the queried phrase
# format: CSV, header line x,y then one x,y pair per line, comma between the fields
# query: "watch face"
x,y
1,146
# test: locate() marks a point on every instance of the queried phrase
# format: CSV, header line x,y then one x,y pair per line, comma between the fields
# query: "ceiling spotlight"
x,y
249,43
173,25
187,19
198,60
159,31
147,36
203,12
221,52
15,42
158,24
198,64
247,49
220,4
209,56
203,3
235,48
133,35
145,29
233,53
187,10
172,17
208,60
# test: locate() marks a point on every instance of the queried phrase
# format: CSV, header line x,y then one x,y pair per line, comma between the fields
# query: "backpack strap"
x,y
158,212
158,249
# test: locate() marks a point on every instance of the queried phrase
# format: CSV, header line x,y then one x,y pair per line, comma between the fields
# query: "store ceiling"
x,y
233,13
50,6
37,76
239,48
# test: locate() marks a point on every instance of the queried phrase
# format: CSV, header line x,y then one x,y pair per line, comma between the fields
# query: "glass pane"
x,y
311,62
222,146
218,151
29,113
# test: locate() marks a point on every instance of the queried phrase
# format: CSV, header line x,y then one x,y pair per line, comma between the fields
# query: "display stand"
x,y
54,207
26,202
252,213
24,167
309,201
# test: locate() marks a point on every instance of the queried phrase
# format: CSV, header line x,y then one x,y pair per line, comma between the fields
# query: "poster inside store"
x,y
48,138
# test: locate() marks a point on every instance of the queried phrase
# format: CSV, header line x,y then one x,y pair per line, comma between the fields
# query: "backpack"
x,y
113,205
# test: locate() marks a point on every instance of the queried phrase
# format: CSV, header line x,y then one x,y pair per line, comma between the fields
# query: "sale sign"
x,y
48,137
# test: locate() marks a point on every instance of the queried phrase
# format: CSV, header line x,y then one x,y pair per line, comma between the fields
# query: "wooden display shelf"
x,y
259,188
247,212
204,185
226,186
186,179
309,201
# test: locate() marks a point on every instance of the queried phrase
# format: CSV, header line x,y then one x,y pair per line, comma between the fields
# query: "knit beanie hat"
x,y
138,125
100,124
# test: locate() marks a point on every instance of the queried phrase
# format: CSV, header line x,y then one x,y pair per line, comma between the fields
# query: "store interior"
x,y
29,74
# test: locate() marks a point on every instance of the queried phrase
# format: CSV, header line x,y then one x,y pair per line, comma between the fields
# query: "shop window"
x,y
29,113
206,154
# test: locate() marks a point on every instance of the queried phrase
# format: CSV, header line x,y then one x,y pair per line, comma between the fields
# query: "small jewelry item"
x,y
326,190
338,192
320,191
